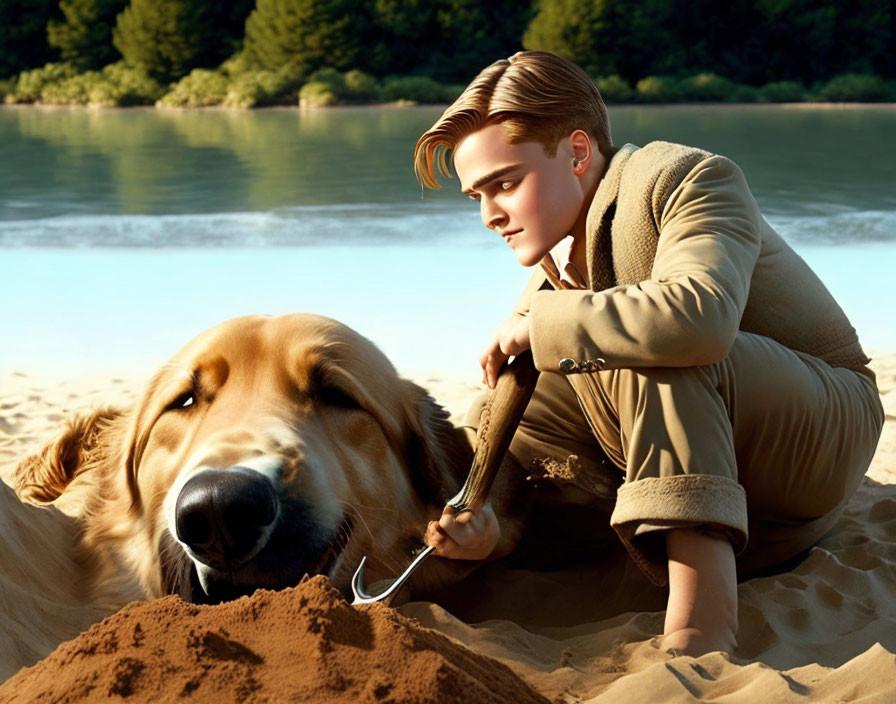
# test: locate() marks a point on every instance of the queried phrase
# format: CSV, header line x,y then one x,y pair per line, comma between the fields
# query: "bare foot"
x,y
694,642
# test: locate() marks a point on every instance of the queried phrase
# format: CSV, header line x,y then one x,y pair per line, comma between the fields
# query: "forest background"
x,y
248,53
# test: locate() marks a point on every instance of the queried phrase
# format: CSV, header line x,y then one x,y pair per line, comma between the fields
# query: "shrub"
x,y
327,86
707,87
418,89
7,87
317,94
200,88
251,89
361,87
744,94
783,92
891,90
615,89
854,87
71,91
258,88
31,83
658,89
331,78
127,86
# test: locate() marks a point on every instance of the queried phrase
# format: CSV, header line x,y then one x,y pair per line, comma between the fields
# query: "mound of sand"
x,y
301,644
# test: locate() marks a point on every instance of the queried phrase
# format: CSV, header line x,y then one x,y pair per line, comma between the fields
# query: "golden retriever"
x,y
267,448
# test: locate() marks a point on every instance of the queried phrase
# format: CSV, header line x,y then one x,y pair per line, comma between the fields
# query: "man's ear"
x,y
582,151
83,444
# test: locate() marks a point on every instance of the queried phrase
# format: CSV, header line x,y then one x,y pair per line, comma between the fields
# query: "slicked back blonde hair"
x,y
537,95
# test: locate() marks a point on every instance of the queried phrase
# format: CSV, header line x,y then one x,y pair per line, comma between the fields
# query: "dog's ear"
x,y
438,454
82,445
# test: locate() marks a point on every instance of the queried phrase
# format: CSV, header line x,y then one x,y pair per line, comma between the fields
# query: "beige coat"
x,y
707,362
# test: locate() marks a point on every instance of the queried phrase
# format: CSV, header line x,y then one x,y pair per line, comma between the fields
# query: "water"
x,y
123,233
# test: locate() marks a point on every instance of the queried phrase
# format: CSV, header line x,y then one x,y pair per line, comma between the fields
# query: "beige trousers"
x,y
765,447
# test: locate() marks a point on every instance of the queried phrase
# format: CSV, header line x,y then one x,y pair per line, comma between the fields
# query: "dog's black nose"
x,y
222,513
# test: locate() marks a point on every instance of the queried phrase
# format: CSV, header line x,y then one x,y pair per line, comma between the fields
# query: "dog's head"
x,y
267,448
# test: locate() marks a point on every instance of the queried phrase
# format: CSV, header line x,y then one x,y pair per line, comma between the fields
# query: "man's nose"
x,y
493,217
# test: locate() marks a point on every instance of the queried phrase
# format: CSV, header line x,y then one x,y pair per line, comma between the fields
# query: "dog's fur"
x,y
358,459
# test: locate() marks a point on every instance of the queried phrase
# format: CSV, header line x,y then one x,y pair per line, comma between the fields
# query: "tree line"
x,y
153,44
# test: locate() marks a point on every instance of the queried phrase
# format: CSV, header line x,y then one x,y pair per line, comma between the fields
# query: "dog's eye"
x,y
185,400
332,396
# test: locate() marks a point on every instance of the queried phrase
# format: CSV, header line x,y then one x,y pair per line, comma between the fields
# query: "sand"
x,y
824,631
304,644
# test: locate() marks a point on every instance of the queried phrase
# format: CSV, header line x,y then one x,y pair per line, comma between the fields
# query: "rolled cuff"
x,y
647,507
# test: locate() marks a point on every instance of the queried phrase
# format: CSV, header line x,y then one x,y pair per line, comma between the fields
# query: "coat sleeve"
x,y
689,311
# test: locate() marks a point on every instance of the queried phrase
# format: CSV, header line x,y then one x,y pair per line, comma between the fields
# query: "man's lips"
x,y
507,234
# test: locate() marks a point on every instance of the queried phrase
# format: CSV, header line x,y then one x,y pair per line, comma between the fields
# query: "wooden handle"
x,y
500,417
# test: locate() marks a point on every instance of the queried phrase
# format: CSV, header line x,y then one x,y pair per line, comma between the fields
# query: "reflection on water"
x,y
64,161
799,160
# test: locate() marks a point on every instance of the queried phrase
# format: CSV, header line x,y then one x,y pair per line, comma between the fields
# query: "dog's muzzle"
x,y
224,515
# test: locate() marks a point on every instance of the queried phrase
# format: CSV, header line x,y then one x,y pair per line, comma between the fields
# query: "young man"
x,y
678,335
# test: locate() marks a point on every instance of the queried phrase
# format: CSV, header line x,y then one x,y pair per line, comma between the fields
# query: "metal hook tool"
x,y
498,422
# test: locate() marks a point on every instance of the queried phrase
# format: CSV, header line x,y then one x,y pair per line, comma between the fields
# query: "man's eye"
x,y
474,196
507,185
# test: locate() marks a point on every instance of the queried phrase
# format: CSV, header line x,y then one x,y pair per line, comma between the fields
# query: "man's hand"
x,y
465,535
511,339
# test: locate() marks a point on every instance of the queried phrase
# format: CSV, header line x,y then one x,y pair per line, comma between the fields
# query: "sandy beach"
x,y
825,631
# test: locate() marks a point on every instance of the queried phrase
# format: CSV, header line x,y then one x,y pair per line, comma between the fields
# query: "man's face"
x,y
532,200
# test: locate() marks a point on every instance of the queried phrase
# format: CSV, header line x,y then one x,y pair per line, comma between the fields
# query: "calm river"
x,y
125,232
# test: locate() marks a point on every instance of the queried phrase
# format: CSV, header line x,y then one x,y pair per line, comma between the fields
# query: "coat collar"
x,y
605,196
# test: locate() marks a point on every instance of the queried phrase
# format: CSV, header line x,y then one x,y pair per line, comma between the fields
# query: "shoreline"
x,y
411,105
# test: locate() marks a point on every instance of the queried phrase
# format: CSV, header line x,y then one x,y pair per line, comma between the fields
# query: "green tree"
x,y
578,31
606,37
167,38
84,38
305,35
23,34
450,40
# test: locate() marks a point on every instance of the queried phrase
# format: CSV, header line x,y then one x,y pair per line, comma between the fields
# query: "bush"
x,y
418,89
251,89
317,94
783,92
126,86
259,88
58,84
200,88
615,89
30,84
658,89
745,94
707,87
7,87
854,88
71,91
331,78
327,86
361,87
